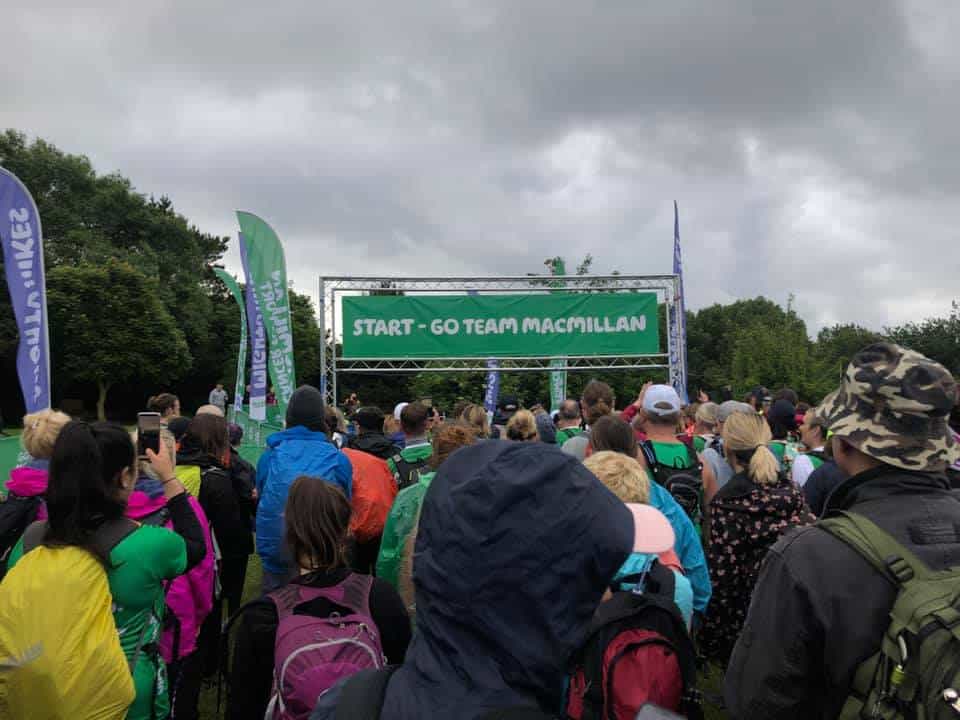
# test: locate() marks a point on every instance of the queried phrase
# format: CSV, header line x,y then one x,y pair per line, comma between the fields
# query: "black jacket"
x,y
819,609
820,484
251,673
374,443
745,521
516,544
227,502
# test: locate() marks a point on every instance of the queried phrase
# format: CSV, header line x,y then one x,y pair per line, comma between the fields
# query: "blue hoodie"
x,y
294,452
517,542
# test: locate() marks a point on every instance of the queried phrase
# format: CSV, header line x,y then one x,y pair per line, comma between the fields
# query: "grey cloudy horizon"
x,y
810,146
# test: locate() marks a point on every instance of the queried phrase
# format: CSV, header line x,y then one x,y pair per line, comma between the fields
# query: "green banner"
x,y
238,393
268,274
481,326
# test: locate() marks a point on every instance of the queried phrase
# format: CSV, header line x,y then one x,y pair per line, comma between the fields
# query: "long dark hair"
x,y
317,518
83,482
597,400
206,434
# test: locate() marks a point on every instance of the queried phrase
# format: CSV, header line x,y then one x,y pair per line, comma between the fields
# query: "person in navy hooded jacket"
x,y
516,545
304,448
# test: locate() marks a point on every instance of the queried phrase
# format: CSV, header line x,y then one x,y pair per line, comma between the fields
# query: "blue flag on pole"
x,y
681,381
22,241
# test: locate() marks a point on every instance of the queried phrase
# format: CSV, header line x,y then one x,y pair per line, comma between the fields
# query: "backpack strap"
x,y
352,593
646,447
104,539
363,695
33,535
876,546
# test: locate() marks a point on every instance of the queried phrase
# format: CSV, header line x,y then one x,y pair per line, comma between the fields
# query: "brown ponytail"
x,y
597,400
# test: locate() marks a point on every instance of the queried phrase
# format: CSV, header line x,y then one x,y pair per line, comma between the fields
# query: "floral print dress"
x,y
745,521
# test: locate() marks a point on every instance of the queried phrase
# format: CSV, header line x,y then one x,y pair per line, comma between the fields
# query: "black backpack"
x,y
637,651
408,472
684,484
363,696
16,513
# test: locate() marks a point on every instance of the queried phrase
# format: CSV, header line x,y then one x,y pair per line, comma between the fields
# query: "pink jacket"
x,y
29,482
189,596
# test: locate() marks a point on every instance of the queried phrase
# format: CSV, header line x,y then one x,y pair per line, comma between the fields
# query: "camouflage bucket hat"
x,y
893,405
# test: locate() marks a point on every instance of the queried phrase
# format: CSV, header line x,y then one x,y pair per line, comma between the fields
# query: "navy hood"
x,y
516,545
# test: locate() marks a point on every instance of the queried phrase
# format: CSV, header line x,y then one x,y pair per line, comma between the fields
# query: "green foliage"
x,y
97,220
108,326
306,339
937,338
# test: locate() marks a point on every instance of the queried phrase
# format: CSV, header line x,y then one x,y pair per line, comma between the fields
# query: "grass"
x,y
251,590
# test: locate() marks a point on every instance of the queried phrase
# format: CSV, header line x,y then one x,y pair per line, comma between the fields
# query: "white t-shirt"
x,y
802,468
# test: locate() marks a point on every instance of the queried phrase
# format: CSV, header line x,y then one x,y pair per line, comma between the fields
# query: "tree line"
x,y
135,309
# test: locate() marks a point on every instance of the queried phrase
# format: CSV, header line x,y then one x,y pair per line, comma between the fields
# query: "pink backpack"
x,y
313,653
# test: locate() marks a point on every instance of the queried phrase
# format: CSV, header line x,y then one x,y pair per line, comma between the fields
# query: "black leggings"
x,y
184,676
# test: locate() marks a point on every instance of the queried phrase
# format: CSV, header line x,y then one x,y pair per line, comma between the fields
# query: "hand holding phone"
x,y
148,433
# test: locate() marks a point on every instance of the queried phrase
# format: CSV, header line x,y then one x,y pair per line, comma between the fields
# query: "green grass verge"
x,y
251,591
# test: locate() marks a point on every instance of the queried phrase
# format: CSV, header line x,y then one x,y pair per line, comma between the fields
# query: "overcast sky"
x,y
812,146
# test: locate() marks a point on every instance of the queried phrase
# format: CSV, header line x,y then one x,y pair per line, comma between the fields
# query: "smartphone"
x,y
148,432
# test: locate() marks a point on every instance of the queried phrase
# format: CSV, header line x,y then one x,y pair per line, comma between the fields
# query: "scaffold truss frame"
x,y
667,288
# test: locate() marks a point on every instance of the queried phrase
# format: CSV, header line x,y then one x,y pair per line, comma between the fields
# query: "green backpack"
x,y
916,673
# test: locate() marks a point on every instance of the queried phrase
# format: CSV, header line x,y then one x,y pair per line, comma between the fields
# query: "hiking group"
x,y
593,563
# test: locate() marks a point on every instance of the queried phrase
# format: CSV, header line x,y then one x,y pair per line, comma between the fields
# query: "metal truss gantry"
x,y
666,286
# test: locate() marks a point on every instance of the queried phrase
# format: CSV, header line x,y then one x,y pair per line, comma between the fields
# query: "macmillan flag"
x,y
558,378
268,275
258,343
492,393
680,323
231,283
22,240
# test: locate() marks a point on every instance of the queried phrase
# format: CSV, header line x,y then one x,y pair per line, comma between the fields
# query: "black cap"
x,y
509,403
306,408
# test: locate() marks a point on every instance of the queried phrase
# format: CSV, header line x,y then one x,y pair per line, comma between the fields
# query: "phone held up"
x,y
148,433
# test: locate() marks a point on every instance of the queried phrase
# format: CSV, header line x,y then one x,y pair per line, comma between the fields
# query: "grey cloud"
x,y
810,145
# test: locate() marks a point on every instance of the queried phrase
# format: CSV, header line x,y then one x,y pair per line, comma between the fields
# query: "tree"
x,y
306,339
91,219
937,338
108,326
832,351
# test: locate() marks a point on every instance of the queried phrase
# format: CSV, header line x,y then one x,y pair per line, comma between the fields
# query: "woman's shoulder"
x,y
148,539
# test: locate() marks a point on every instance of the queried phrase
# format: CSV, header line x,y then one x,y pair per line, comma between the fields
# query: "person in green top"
x,y
408,463
660,411
705,428
92,473
782,419
447,437
568,421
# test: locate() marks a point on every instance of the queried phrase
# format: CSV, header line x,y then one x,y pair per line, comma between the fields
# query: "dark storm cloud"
x,y
810,145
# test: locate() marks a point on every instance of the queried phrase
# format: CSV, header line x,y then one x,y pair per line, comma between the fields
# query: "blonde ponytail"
x,y
745,438
764,468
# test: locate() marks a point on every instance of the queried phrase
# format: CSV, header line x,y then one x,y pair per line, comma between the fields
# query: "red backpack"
x,y
637,651
374,490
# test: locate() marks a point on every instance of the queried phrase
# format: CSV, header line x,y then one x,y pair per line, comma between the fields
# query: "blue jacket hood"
x,y
516,544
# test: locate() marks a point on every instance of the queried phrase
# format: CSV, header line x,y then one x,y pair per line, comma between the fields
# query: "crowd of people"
x,y
591,562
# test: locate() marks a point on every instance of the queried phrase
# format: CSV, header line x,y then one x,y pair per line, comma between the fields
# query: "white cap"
x,y
399,409
661,400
